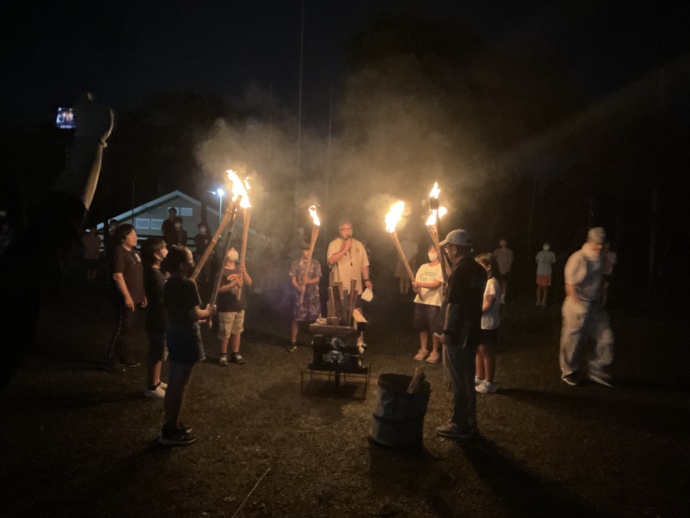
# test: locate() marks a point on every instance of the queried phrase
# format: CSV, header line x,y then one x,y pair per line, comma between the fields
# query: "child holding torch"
x,y
307,307
230,307
183,305
427,285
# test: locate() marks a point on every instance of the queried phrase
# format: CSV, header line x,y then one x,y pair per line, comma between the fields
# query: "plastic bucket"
x,y
398,420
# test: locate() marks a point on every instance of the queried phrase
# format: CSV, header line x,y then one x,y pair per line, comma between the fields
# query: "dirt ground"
x,y
77,441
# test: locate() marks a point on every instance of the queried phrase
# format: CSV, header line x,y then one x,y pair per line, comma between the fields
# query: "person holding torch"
x,y
307,306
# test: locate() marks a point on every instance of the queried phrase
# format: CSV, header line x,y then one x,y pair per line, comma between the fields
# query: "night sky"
x,y
125,50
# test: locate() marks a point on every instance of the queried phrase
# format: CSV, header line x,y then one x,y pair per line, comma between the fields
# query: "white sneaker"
x,y
162,385
157,393
486,387
477,381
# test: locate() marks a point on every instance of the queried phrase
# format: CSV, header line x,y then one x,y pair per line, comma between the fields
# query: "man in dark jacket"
x,y
461,332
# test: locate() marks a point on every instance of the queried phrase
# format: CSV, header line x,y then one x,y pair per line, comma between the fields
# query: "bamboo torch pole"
x,y
228,216
314,235
396,242
245,238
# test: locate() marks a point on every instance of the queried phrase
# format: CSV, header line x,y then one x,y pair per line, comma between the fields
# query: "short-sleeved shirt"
x,y
156,314
350,265
504,258
491,318
128,263
466,288
583,270
181,298
228,301
545,260
427,274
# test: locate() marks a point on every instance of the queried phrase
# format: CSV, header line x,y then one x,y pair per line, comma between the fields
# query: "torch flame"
x,y
239,188
431,220
314,215
394,215
435,191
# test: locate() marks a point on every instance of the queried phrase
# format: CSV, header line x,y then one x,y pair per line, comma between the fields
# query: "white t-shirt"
x,y
426,274
490,317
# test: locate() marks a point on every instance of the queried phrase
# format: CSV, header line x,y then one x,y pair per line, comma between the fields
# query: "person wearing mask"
x,y
486,360
545,259
230,306
428,286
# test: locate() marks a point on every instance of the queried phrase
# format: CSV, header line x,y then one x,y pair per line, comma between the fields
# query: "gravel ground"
x,y
77,441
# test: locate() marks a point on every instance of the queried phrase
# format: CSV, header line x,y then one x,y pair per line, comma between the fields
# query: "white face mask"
x,y
433,256
546,247
233,255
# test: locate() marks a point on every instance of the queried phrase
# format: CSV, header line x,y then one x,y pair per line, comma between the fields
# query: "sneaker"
x,y
571,379
421,355
599,378
223,360
162,385
175,437
486,387
292,347
236,358
452,431
129,362
184,428
434,357
156,393
477,381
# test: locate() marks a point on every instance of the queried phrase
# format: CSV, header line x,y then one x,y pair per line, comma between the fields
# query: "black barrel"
x,y
399,417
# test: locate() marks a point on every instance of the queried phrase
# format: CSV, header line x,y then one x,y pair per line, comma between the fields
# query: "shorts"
x,y
230,323
543,280
425,317
184,344
489,337
156,346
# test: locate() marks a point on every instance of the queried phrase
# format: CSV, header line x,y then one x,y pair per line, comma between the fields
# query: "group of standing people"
x,y
471,317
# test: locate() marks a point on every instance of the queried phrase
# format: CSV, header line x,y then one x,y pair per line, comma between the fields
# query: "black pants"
x,y
119,343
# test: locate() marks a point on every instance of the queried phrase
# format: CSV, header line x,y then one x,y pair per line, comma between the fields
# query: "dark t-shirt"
x,y
201,242
181,297
128,263
169,232
227,301
466,286
156,314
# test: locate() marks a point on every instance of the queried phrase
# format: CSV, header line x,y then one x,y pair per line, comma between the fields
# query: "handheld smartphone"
x,y
65,118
